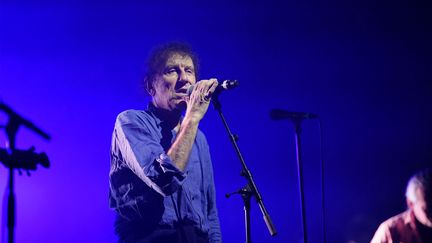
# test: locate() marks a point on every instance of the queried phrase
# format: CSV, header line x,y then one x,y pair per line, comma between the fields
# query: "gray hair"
x,y
422,180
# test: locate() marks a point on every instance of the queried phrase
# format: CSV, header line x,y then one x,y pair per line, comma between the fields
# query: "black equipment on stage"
x,y
296,118
250,189
13,158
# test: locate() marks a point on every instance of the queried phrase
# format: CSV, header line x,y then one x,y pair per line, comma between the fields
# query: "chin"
x,y
181,106
177,105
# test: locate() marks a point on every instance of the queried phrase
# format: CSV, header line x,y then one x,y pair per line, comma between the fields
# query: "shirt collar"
x,y
164,117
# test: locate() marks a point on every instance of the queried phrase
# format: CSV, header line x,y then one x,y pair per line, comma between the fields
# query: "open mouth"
x,y
183,90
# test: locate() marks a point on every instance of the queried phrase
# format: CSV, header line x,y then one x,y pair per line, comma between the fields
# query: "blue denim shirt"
x,y
146,189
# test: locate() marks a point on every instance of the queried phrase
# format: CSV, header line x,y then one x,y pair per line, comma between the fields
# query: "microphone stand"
x,y
250,189
11,159
11,131
297,118
297,126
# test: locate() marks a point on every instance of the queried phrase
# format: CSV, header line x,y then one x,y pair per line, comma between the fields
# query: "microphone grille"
x,y
189,90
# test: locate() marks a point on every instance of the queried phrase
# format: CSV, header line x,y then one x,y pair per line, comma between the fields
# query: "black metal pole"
x,y
12,126
11,207
300,177
11,131
246,195
251,186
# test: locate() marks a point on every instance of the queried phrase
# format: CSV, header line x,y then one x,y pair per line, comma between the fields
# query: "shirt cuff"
x,y
171,177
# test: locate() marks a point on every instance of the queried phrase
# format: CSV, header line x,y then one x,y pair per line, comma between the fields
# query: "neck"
x,y
170,118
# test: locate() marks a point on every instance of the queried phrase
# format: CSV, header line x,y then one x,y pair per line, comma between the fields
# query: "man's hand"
x,y
199,100
197,105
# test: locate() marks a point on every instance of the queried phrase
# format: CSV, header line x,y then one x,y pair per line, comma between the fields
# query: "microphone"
x,y
277,114
225,85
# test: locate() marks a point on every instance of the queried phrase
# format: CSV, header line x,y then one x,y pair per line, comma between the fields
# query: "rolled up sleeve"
x,y
137,145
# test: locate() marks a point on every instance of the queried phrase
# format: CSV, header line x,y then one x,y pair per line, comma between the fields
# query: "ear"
x,y
410,204
149,87
151,91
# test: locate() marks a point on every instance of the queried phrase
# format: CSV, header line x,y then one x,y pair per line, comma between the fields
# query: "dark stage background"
x,y
364,67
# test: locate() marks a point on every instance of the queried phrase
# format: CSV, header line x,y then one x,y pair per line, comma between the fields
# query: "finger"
x,y
205,91
195,91
213,84
205,88
197,94
202,91
201,87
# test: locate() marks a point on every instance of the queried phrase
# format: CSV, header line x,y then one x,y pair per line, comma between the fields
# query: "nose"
x,y
183,77
182,80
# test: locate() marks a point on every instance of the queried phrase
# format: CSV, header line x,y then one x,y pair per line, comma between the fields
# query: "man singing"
x,y
161,177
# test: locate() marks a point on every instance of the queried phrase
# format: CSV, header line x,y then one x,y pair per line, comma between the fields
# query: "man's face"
x,y
170,86
422,208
